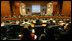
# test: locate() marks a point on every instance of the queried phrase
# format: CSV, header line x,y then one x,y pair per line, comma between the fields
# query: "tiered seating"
x,y
52,31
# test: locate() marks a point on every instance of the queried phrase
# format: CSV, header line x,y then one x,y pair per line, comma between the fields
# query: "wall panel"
x,y
5,9
66,9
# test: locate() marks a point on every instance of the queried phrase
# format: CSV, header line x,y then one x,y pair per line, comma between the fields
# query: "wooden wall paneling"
x,y
16,8
56,8
5,9
35,2
66,9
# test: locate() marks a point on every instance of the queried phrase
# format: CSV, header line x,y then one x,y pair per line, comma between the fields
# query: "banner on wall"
x,y
22,9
